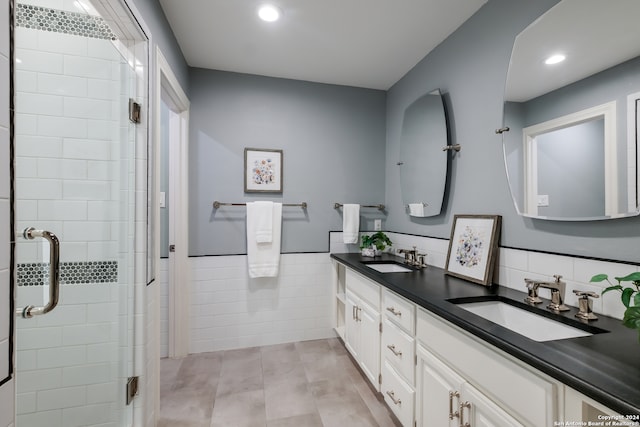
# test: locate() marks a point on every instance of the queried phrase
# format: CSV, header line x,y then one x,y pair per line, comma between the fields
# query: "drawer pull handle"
x,y
462,406
394,351
452,414
394,311
392,396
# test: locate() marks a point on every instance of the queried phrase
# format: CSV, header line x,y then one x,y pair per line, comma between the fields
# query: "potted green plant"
x,y
630,296
374,245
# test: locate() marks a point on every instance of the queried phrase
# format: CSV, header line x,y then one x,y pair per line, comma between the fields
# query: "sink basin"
x,y
537,327
388,267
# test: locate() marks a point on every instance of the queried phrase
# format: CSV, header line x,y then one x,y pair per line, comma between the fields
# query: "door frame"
x,y
167,86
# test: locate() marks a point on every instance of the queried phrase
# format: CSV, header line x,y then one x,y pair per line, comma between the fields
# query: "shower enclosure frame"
x,y
134,39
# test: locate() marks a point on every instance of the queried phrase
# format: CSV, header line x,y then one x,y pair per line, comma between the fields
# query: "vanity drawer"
x,y
366,289
398,395
399,349
523,392
399,310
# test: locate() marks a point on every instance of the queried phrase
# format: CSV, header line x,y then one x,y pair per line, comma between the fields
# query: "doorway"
x,y
172,181
78,80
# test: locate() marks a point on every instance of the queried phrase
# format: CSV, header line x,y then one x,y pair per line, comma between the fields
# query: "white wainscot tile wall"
x,y
514,265
230,310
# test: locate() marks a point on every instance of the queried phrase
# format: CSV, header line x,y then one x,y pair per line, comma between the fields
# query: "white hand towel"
x,y
416,209
263,258
263,215
350,223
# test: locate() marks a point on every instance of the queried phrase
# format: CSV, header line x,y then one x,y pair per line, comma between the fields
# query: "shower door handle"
x,y
54,273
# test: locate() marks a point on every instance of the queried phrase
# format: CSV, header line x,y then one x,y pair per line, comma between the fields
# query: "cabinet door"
x,y
369,351
437,392
352,326
482,412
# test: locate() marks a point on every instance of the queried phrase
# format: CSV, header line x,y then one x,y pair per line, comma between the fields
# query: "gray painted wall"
x,y
333,139
163,36
470,68
613,84
569,157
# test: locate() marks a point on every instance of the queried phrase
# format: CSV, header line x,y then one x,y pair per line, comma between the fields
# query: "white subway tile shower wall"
x,y
66,358
229,310
7,390
74,172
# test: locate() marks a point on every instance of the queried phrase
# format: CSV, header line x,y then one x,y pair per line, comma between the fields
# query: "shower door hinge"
x,y
135,110
132,389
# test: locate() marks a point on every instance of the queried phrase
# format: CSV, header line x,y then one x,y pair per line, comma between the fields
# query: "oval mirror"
x,y
571,103
423,162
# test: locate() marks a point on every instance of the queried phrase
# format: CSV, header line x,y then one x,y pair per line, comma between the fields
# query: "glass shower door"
x,y
75,179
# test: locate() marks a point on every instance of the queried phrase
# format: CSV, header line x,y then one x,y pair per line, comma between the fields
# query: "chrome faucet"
x,y
557,288
532,292
413,257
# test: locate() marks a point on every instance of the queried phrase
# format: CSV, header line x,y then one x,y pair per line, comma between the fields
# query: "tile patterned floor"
x,y
303,384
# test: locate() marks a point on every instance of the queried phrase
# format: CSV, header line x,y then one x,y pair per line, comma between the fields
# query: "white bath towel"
x,y
263,258
350,223
262,214
416,209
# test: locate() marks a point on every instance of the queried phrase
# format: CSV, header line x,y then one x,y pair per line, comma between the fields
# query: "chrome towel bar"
x,y
379,207
218,204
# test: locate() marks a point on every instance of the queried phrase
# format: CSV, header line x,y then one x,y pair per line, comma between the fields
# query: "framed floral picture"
x,y
473,246
262,170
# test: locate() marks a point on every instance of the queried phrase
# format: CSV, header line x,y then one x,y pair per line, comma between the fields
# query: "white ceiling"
x,y
362,43
593,34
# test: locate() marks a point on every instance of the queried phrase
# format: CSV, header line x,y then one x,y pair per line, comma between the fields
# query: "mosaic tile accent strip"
x,y
60,21
71,273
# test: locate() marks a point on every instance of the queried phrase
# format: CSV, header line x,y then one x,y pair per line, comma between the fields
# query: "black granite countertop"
x,y
604,366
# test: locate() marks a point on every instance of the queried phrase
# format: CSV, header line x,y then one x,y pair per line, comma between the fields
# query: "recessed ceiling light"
x,y
269,13
554,59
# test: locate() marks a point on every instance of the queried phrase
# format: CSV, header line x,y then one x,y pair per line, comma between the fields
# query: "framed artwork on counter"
x,y
472,247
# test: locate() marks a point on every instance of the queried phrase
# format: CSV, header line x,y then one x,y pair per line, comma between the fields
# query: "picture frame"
x,y
263,170
473,247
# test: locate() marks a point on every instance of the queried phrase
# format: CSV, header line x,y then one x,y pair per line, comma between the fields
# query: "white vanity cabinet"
x,y
398,355
362,324
432,373
501,391
339,305
446,399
